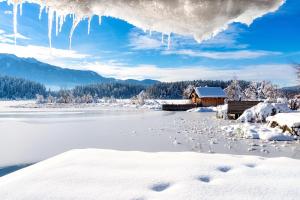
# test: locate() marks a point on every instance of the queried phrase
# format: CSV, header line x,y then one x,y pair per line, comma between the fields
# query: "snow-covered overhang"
x,y
201,19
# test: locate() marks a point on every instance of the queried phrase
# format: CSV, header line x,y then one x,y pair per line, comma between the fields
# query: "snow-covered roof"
x,y
210,92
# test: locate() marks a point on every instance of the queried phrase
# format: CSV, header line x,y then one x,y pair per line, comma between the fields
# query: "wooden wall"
x,y
206,102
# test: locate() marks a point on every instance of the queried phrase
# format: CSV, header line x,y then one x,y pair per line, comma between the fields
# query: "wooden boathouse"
x,y
208,96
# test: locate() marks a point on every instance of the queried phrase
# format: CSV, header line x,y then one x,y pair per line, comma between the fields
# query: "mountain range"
x,y
53,76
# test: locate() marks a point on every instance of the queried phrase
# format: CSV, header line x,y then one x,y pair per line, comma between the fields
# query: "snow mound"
x,y
286,119
203,109
257,131
200,19
107,174
261,111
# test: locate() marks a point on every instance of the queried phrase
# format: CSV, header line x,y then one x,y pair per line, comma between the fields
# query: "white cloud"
x,y
53,56
279,73
241,54
9,38
141,41
225,39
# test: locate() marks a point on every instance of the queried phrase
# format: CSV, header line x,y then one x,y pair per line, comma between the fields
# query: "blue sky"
x,y
264,50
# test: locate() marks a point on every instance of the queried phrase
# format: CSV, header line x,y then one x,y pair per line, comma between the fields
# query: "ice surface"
x,y
107,174
40,132
200,19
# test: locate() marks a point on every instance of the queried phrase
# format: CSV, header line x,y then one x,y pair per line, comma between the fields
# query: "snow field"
x,y
107,174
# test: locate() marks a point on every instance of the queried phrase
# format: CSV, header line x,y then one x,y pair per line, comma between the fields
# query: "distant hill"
x,y
53,76
292,88
291,91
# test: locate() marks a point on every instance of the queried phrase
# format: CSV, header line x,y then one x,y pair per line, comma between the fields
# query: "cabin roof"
x,y
213,92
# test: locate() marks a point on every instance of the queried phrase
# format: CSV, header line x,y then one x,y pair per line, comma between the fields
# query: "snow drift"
x,y
258,131
106,174
201,19
261,111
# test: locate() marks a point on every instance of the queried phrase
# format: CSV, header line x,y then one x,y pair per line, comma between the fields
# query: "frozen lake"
x,y
32,135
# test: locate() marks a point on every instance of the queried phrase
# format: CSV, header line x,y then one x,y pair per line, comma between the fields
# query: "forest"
x,y
16,88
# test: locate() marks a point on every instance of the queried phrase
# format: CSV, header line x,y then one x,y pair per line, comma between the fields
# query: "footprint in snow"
x,y
159,187
250,165
205,179
224,169
139,198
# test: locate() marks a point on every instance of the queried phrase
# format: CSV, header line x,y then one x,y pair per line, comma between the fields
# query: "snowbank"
x,y
289,120
261,111
257,131
203,109
222,111
106,174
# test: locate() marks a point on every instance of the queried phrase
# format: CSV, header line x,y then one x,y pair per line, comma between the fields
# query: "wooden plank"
x,y
178,107
238,107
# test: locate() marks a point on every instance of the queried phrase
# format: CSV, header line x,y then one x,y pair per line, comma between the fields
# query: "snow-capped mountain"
x,y
53,76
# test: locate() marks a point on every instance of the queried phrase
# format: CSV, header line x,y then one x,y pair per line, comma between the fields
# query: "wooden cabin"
x,y
208,96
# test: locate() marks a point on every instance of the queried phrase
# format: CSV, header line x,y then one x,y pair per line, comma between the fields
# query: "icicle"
x,y
21,7
56,23
89,25
41,11
162,38
169,40
15,15
50,24
61,22
100,20
75,23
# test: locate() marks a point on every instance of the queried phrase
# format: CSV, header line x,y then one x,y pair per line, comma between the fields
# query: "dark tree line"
x,y
17,88
172,90
175,90
116,90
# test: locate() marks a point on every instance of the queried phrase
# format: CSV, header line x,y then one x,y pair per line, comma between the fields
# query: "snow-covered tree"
x,y
40,99
140,98
51,99
251,92
234,91
187,91
268,91
65,96
294,104
85,99
261,90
